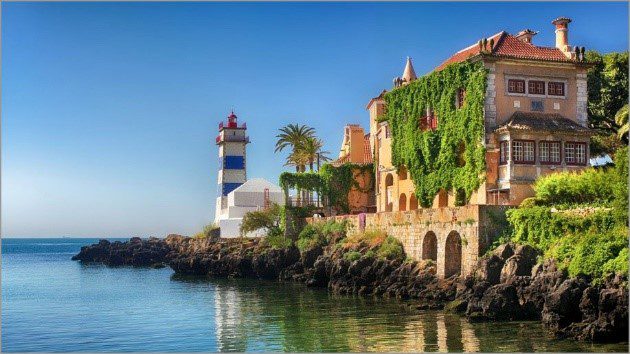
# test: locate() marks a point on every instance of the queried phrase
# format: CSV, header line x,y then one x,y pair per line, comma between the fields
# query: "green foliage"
x,y
453,156
269,219
209,231
277,241
391,249
321,233
586,236
309,238
588,186
607,89
309,181
332,182
339,180
352,256
620,185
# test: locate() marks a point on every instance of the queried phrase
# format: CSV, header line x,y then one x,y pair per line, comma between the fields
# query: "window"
x,y
429,121
575,153
523,151
536,87
461,96
504,152
538,106
555,88
516,86
549,152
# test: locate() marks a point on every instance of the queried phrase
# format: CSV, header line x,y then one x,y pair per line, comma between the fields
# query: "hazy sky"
x,y
110,110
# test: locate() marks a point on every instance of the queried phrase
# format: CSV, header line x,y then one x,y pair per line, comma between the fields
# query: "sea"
x,y
53,304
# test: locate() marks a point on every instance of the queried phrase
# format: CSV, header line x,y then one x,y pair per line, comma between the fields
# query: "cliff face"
x,y
507,285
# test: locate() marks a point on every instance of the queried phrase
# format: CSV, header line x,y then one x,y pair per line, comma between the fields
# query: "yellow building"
x,y
535,112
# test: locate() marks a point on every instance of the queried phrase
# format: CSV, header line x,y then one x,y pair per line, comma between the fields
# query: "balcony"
x,y
232,138
232,125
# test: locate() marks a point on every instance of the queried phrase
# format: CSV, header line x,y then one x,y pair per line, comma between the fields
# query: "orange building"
x,y
535,113
356,149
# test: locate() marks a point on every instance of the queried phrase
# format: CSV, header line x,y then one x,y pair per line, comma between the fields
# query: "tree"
x,y
293,136
607,94
607,89
311,150
621,118
268,219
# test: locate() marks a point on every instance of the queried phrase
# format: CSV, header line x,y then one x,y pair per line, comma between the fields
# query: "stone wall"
x,y
463,234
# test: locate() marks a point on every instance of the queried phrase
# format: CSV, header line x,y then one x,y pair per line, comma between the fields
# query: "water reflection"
x,y
269,316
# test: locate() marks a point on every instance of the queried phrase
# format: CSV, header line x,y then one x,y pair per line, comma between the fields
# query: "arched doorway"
x,y
413,202
402,202
389,189
429,246
452,254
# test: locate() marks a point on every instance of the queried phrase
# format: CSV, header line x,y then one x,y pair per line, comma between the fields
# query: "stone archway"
x,y
429,246
389,190
402,202
452,254
413,202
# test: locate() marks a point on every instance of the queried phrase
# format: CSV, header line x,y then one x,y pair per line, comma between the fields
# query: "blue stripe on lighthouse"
x,y
234,162
228,187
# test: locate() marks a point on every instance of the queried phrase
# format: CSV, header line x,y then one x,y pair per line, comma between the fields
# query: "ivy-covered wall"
x,y
334,183
451,157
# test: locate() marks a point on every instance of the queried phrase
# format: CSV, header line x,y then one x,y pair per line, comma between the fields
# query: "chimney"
x,y
526,35
562,35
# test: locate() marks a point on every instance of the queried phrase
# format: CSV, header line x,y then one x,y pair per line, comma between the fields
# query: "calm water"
x,y
50,303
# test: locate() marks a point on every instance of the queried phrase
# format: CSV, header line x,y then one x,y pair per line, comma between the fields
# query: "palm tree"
x,y
311,149
294,135
297,159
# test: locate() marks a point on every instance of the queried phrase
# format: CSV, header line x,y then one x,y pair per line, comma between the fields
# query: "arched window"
x,y
402,173
389,186
402,202
413,202
461,98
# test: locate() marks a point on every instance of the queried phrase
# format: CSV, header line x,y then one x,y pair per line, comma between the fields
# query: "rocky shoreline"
x,y
508,284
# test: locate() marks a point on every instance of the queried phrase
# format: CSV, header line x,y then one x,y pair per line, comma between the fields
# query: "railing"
x,y
231,125
237,138
301,202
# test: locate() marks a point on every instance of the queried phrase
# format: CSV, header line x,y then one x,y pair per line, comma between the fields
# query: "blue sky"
x,y
110,110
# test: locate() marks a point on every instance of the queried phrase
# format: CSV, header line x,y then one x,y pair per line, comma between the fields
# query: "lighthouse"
x,y
232,141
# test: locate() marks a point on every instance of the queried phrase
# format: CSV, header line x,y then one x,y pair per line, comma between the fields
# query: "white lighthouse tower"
x,y
232,141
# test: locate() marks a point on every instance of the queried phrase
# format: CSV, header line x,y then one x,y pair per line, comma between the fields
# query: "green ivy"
x,y
339,180
452,157
332,182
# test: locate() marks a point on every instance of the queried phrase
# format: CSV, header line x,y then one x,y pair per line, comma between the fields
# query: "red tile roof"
x,y
508,46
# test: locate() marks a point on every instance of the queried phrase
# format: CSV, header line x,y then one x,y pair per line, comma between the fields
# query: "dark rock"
x,y
489,269
504,251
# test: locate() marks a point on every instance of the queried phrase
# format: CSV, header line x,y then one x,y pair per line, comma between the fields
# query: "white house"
x,y
255,194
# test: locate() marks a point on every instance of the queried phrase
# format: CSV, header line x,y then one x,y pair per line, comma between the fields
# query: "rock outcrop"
x,y
508,284
137,252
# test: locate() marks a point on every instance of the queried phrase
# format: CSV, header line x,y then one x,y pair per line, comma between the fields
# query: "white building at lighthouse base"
x,y
250,196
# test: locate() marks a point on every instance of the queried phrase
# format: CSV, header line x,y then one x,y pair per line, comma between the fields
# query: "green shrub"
x,y
309,238
568,188
592,253
352,256
268,219
277,241
209,231
370,254
620,185
391,249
